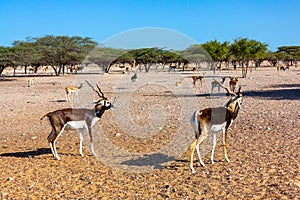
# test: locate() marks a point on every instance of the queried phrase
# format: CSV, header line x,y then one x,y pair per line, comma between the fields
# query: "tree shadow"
x,y
152,160
58,101
26,154
295,85
276,94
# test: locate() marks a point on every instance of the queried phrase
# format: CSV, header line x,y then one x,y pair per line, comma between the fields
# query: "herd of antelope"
x,y
203,122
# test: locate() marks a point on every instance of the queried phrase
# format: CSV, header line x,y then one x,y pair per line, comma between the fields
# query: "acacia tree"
x,y
26,53
60,51
245,50
196,54
218,51
5,58
106,57
147,57
292,54
258,52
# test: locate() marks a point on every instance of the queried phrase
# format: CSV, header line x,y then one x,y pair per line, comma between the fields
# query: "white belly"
x,y
76,125
217,127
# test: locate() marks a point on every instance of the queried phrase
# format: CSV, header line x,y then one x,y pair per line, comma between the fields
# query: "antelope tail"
x,y
46,115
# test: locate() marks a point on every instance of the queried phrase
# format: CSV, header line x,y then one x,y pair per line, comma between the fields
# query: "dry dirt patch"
x,y
263,148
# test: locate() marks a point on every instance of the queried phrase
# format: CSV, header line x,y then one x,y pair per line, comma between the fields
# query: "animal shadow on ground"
x,y
152,160
284,92
26,154
272,92
59,100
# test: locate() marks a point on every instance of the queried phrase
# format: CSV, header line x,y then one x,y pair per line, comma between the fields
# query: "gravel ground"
x,y
263,143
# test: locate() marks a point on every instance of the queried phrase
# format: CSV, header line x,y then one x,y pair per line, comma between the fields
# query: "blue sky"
x,y
275,22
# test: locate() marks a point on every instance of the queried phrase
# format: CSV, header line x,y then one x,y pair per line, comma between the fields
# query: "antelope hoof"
x,y
212,162
193,171
94,154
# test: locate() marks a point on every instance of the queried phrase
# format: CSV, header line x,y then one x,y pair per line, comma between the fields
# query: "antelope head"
x,y
235,100
102,104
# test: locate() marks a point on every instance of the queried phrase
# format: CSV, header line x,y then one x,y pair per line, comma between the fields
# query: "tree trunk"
x,y
25,69
55,70
1,70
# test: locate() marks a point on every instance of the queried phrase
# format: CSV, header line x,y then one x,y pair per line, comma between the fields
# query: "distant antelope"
x,y
31,69
197,77
179,83
233,83
78,119
73,69
46,69
215,84
214,120
30,82
172,68
72,89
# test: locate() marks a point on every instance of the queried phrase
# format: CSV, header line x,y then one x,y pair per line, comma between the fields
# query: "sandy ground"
x,y
263,143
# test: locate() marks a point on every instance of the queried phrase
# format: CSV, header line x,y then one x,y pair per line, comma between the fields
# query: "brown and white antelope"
x,y
215,84
74,90
78,119
73,69
197,77
233,83
214,120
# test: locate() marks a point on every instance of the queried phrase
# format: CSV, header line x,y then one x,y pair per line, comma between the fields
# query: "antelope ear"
x,y
97,102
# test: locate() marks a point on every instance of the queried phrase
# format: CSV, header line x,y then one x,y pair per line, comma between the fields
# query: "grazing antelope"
x,y
233,83
78,119
214,120
72,89
197,77
215,84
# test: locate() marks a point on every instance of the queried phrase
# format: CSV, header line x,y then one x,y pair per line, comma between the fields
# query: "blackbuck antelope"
x,y
197,77
215,84
70,90
233,83
214,120
78,119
